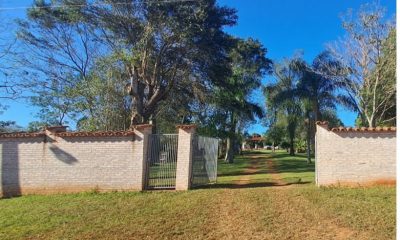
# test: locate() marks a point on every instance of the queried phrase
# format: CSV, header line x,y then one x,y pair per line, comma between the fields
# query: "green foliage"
x,y
285,145
281,97
276,134
332,118
367,53
387,69
303,94
316,86
301,146
9,126
37,126
96,53
232,107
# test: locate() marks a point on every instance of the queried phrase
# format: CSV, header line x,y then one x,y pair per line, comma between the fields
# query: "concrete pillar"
x,y
56,129
320,127
50,132
184,160
140,145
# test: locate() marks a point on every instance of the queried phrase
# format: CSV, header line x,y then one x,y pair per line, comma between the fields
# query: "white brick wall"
x,y
184,158
71,164
354,157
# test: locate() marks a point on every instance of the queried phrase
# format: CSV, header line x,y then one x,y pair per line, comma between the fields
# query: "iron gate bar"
x,y
161,161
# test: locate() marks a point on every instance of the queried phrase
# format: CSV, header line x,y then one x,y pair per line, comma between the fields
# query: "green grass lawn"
x,y
290,168
230,209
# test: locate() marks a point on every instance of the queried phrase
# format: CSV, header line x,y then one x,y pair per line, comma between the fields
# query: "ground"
x,y
263,195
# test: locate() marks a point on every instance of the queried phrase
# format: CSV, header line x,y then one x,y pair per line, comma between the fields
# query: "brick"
x,y
350,157
33,165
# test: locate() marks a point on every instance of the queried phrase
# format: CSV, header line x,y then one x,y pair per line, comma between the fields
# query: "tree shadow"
x,y
252,152
249,185
267,163
281,166
293,166
62,155
287,155
10,182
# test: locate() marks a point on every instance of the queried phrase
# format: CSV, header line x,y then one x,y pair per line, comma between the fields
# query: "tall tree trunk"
x,y
230,143
371,121
309,141
229,150
136,91
313,128
291,151
292,133
153,122
221,149
273,146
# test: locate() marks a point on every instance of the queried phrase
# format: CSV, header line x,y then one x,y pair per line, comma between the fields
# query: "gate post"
x,y
184,158
140,145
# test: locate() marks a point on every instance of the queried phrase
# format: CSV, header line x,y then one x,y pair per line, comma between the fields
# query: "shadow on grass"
x,y
287,155
260,162
241,173
253,152
248,185
282,166
293,166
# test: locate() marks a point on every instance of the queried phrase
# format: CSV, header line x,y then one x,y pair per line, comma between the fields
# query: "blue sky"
x,y
283,26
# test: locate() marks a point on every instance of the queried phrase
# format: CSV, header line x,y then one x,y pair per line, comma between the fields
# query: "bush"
x,y
285,145
301,146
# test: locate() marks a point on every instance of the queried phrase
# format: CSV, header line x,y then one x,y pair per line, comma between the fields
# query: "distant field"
x,y
261,196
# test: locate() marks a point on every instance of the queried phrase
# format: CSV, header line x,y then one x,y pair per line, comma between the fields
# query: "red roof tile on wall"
x,y
69,134
364,129
358,129
22,135
96,134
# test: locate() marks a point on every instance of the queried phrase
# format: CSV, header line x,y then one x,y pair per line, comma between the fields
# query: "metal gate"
x,y
205,156
161,161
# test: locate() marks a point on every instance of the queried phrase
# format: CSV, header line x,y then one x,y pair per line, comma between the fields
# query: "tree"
x,y
58,52
164,45
332,118
8,88
276,134
280,95
248,65
285,145
316,86
371,93
9,126
387,68
36,126
318,90
109,107
158,46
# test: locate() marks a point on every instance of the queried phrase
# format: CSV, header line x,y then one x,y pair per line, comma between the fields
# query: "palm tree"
x,y
316,85
281,95
318,90
306,89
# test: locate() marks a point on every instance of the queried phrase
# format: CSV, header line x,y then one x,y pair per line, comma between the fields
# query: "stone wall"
x,y
355,156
